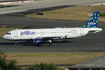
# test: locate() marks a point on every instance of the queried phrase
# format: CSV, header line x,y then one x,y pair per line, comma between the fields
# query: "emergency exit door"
x,y
16,33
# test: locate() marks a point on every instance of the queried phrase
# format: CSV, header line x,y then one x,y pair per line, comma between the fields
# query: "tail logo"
x,y
93,20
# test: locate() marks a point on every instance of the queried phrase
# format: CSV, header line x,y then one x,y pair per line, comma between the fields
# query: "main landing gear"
x,y
50,42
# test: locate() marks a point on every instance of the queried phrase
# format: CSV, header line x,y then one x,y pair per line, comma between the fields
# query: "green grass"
x,y
71,13
56,58
53,12
1,5
46,54
62,58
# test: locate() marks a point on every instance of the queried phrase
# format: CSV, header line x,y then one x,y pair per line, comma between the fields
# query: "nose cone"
x,y
4,37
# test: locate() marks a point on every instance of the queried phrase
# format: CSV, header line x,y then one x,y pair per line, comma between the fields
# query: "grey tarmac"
x,y
94,63
89,43
19,7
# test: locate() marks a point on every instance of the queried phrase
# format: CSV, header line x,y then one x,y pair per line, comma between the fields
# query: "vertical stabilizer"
x,y
93,20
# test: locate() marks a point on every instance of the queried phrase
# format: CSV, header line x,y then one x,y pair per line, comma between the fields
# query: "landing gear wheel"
x,y
50,43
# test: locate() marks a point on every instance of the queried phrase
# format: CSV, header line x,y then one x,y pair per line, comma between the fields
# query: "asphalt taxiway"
x,y
89,43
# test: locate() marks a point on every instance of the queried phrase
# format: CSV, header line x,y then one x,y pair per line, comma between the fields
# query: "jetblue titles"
x,y
27,33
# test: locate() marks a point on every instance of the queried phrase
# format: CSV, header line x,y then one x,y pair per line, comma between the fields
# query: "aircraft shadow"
x,y
63,41
7,43
30,43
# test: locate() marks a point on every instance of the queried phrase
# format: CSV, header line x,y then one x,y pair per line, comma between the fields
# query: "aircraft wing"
x,y
50,37
47,38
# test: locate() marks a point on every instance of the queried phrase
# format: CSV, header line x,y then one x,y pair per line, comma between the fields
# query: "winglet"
x,y
93,20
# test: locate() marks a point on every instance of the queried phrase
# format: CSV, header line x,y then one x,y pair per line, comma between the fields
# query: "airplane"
x,y
49,34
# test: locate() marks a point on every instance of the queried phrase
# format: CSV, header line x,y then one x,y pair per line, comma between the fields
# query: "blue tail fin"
x,y
93,20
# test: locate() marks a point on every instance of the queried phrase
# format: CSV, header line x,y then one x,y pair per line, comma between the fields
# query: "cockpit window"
x,y
8,33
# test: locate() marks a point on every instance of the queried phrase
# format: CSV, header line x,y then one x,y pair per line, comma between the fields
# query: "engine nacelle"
x,y
37,41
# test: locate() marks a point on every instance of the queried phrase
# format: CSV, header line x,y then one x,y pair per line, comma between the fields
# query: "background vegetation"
x,y
71,13
55,58
11,65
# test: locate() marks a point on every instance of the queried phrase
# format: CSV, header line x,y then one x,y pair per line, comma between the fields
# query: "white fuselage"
x,y
21,34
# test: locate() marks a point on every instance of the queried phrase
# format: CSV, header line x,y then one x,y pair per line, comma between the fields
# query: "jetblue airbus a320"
x,y
49,34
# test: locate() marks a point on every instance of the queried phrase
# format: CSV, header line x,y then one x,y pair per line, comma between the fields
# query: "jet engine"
x,y
37,41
